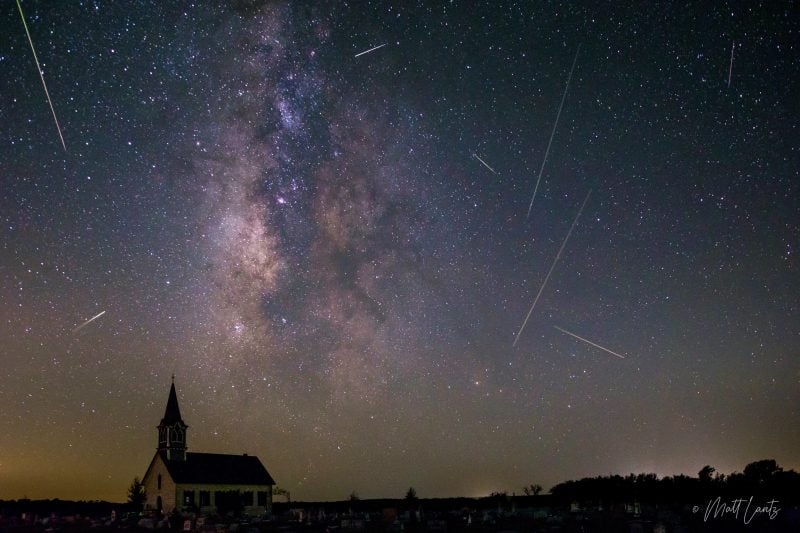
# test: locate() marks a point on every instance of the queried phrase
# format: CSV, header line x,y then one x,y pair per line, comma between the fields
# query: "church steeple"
x,y
172,429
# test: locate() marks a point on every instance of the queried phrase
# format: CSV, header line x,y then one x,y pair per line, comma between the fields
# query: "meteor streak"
x,y
730,69
553,133
558,255
484,163
589,342
365,51
41,75
95,317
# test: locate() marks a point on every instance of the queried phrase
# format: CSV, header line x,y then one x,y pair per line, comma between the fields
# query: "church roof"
x,y
172,413
217,468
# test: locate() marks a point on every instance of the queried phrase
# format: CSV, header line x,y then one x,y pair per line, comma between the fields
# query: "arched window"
x,y
159,484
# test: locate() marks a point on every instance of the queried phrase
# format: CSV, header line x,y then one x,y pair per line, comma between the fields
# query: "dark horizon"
x,y
708,502
716,476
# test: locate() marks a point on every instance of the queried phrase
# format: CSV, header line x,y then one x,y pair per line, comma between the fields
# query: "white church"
x,y
207,483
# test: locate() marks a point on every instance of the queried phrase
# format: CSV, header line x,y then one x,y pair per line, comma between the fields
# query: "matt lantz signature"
x,y
739,508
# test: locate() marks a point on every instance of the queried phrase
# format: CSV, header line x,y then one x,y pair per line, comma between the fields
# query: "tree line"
x,y
760,478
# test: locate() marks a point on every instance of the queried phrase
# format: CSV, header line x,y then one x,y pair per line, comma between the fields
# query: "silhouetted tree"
x,y
532,490
354,496
762,471
786,485
137,494
411,495
759,478
705,473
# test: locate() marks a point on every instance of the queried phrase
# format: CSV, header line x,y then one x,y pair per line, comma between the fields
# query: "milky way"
x,y
302,233
317,212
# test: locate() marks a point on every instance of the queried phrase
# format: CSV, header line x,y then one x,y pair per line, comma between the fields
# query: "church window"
x,y
205,498
247,497
159,482
262,498
188,498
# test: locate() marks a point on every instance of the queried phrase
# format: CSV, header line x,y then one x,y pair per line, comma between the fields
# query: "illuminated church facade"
x,y
207,483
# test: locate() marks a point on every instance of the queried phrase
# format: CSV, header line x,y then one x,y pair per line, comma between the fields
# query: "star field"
x,y
330,249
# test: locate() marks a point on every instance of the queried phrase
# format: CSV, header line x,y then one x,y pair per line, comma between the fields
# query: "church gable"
x,y
159,484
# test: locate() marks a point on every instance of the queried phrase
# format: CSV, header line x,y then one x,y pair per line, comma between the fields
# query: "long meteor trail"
x,y
41,75
484,163
558,255
589,342
730,68
95,317
553,133
365,51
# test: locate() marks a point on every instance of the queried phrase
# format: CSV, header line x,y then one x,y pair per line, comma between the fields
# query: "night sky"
x,y
332,254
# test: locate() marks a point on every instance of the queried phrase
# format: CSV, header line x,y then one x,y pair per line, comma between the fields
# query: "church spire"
x,y
172,429
172,413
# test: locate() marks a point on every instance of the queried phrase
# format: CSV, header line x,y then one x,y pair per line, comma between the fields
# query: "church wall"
x,y
167,490
212,489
